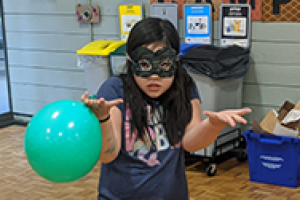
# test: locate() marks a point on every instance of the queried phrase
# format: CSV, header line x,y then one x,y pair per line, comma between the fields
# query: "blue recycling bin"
x,y
184,48
273,159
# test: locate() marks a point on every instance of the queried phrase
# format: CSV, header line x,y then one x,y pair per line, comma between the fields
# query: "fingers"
x,y
230,120
91,102
239,119
114,102
241,112
84,96
210,114
229,117
99,102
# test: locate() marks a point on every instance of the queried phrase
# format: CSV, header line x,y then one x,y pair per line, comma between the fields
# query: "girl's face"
x,y
154,86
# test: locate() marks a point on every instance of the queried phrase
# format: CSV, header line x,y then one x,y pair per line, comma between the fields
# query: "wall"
x,y
42,39
43,36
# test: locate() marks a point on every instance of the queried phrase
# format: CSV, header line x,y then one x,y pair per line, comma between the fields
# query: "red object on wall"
x,y
256,13
281,11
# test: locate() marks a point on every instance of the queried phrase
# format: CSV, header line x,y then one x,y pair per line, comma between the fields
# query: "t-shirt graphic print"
x,y
145,150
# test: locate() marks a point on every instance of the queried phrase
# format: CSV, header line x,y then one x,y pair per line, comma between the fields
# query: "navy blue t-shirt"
x,y
141,171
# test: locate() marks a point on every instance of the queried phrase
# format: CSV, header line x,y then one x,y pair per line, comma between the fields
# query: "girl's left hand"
x,y
225,117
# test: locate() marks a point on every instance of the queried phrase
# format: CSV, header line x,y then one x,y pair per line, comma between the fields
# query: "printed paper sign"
x,y
256,7
179,5
129,15
235,20
197,23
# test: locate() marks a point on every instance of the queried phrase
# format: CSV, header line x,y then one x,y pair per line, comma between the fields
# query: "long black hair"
x,y
175,101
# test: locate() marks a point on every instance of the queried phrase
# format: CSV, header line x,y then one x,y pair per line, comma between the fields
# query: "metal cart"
x,y
217,95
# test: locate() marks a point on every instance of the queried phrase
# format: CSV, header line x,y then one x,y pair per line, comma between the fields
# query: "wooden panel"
x,y
106,37
48,77
278,53
44,93
284,75
276,31
258,112
230,183
41,7
108,25
45,59
2,65
269,95
28,107
45,23
47,41
2,53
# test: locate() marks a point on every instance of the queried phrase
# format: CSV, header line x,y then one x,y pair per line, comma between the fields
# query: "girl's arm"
x,y
111,136
111,129
200,134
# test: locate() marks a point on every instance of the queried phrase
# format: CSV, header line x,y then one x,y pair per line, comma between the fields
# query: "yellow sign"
x,y
129,14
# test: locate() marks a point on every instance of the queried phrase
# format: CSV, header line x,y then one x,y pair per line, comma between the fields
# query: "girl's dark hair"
x,y
175,101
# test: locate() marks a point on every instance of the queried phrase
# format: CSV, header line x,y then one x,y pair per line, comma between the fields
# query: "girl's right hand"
x,y
100,107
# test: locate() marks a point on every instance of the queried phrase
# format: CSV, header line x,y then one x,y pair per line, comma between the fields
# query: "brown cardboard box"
x,y
269,122
285,108
272,123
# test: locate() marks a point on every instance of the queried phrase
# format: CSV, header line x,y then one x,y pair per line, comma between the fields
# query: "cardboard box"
x,y
285,122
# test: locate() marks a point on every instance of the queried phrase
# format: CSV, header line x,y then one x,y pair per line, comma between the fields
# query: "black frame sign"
x,y
235,25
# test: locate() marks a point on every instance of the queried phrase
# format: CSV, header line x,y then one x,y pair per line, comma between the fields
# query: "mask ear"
x,y
129,59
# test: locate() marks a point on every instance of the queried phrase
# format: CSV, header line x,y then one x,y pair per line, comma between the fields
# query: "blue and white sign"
x,y
197,20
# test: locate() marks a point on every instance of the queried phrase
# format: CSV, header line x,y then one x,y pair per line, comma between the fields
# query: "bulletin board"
x,y
281,11
256,7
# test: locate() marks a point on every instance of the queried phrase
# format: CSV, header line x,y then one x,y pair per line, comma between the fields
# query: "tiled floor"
x,y
19,182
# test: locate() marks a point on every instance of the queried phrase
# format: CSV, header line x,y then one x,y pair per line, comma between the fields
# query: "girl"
x,y
149,116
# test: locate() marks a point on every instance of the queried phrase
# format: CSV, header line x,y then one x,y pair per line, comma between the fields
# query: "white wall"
x,y
43,37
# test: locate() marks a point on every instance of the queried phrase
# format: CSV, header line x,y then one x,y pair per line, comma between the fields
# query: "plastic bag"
x,y
217,62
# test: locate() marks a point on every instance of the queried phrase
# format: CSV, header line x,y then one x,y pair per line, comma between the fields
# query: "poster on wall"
x,y
256,7
215,6
197,20
178,2
235,21
165,11
281,10
128,15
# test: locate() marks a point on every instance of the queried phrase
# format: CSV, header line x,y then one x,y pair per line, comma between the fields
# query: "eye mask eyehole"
x,y
165,65
145,65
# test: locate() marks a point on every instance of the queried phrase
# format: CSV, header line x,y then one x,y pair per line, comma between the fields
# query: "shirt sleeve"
x,y
111,89
195,92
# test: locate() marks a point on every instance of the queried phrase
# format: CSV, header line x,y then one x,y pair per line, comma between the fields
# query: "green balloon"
x,y
63,141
